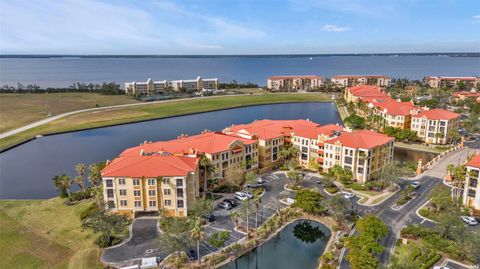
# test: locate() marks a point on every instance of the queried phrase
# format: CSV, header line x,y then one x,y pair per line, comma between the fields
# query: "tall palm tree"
x,y
198,234
66,183
79,179
234,217
257,200
246,208
94,176
205,163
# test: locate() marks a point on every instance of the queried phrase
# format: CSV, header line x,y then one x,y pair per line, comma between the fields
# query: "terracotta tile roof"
x,y
397,108
294,77
368,91
268,129
210,142
475,161
437,114
359,76
466,94
361,139
313,133
451,78
150,166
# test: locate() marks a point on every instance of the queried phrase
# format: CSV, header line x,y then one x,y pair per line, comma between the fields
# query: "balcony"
x,y
320,151
320,160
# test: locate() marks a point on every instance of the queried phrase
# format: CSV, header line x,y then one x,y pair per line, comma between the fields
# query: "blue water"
x,y
59,72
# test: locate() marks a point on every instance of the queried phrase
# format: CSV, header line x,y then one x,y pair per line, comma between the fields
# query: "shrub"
x,y
431,261
90,211
331,190
358,187
80,195
105,241
218,239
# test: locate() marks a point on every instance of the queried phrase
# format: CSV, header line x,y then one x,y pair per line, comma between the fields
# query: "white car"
x,y
348,195
441,267
248,194
416,184
261,180
240,196
469,220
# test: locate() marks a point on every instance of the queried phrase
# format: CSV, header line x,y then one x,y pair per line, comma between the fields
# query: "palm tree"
x,y
247,207
79,179
205,163
234,216
257,200
198,234
94,175
295,176
66,183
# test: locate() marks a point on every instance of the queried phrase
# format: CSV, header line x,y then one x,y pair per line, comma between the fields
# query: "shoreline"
x,y
402,145
13,145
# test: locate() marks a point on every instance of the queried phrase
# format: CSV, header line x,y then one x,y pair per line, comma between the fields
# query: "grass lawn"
x,y
17,110
415,254
45,234
155,111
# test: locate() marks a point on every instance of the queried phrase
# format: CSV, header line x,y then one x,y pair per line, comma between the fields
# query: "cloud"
x,y
476,18
334,28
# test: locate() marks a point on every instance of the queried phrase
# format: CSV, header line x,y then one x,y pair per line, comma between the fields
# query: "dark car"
x,y
254,185
225,205
231,202
192,254
208,217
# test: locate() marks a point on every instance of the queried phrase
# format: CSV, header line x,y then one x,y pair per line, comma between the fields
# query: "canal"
x,y
298,245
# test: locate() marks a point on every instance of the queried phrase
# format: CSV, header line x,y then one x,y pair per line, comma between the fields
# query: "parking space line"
x,y
207,246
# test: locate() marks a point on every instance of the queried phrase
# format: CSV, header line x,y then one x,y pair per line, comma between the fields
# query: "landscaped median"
x,y
108,117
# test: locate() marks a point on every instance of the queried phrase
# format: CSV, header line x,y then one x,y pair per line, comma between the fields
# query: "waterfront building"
x,y
361,151
355,80
365,93
433,126
395,113
471,195
287,83
440,82
149,183
147,88
194,85
466,95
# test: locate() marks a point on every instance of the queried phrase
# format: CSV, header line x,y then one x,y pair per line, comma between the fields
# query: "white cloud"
x,y
334,28
476,18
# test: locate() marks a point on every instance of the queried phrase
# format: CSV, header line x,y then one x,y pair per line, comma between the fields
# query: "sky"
x,y
238,26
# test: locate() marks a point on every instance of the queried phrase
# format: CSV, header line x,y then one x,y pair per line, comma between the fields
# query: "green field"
x,y
45,234
159,110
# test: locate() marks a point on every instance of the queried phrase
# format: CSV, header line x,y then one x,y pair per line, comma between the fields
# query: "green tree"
x,y
295,176
80,178
198,234
234,216
218,239
362,251
373,226
63,183
95,174
310,201
337,207
176,233
244,212
447,223
201,207
108,225
207,167
341,174
441,198
355,122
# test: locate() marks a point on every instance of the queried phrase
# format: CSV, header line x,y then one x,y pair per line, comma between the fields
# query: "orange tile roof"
x,y
397,108
475,161
451,78
360,76
466,94
294,77
150,166
368,91
210,142
361,139
269,129
437,114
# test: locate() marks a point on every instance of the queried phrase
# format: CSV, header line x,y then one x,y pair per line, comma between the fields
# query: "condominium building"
x,y
362,151
149,183
147,88
355,80
433,126
395,113
286,83
439,82
365,93
225,152
471,195
193,85
466,95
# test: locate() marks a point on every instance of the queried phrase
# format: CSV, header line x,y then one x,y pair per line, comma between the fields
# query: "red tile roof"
x,y
150,166
475,161
359,76
361,139
294,77
210,142
368,91
396,108
451,78
437,114
466,94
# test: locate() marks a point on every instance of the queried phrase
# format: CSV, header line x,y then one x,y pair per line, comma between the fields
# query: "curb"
x,y
417,212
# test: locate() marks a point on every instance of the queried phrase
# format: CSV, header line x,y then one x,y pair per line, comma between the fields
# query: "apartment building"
x,y
365,93
147,88
440,82
471,195
395,113
362,151
433,126
466,95
194,85
149,183
355,80
225,152
286,83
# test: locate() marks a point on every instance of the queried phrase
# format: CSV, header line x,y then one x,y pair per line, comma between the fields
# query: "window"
x,y
168,202
166,191
471,193
348,160
123,202
136,193
138,203
151,192
180,192
180,203
123,192
151,182
109,183
179,182
152,203
136,182
111,204
110,193
121,181
166,180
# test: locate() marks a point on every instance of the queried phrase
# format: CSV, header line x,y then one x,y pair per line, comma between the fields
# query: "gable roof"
x,y
365,139
437,114
269,129
475,161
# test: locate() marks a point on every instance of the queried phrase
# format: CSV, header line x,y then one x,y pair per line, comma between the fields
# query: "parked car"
x,y
260,180
225,205
348,195
478,219
208,217
319,181
415,184
231,202
254,185
469,220
192,254
240,196
441,267
248,194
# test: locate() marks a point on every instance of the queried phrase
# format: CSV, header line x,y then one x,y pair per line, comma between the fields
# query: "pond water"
x,y
26,170
298,245
410,155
